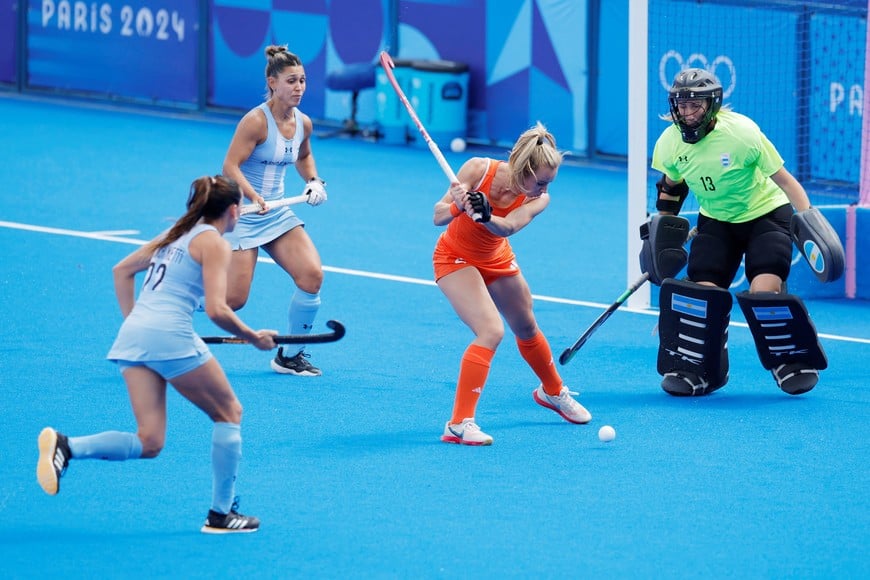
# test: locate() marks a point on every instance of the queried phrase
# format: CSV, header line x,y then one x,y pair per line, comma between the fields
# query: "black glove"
x,y
480,207
662,254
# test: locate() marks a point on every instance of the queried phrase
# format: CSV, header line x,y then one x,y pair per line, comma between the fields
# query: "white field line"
x,y
115,236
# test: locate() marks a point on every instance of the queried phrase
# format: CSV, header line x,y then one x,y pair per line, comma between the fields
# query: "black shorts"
x,y
719,247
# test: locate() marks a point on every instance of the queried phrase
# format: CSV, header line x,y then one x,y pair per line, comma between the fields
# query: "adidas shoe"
x,y
795,378
564,404
294,365
54,457
465,433
231,523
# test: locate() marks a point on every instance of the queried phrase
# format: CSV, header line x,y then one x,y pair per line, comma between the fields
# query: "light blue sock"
x,y
226,454
109,445
303,310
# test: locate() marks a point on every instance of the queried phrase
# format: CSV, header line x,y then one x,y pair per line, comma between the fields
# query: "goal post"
x,y
638,154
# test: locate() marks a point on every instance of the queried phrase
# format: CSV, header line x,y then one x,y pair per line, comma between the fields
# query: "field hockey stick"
x,y
254,208
336,334
569,352
388,66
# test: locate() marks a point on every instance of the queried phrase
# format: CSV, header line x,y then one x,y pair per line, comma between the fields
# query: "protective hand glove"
x,y
316,191
480,207
662,254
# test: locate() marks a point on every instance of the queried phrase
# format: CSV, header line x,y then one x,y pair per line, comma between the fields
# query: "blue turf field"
x,y
346,471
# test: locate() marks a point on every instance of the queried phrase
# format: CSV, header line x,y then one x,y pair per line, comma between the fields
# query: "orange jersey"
x,y
467,243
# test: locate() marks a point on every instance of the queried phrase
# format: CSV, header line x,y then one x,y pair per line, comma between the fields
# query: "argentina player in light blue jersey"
x,y
157,344
268,138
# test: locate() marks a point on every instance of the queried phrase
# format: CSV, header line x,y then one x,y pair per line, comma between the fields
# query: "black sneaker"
x,y
795,378
294,365
54,457
231,523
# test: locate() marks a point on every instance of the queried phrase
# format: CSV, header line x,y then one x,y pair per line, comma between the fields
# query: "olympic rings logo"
x,y
697,60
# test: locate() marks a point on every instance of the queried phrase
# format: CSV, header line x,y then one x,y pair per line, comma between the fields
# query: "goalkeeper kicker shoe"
x,y
795,378
686,384
231,523
465,433
54,457
294,365
564,404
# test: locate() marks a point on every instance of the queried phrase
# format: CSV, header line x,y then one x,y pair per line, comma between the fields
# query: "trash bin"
x,y
392,118
439,95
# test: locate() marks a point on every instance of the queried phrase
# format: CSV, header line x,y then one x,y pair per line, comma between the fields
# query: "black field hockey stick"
x,y
336,334
569,352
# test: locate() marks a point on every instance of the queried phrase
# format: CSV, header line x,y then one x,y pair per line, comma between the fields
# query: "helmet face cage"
x,y
695,84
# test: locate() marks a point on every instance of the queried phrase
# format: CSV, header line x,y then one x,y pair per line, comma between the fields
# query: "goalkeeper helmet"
x,y
697,85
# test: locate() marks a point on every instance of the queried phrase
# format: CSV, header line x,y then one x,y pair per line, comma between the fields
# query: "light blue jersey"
x,y
265,170
160,326
267,165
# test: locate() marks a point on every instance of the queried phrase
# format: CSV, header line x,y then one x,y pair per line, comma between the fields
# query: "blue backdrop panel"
x,y
735,63
240,34
536,59
836,97
358,31
122,49
8,37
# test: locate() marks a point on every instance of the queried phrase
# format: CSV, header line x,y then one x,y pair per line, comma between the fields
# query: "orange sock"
x,y
472,376
536,351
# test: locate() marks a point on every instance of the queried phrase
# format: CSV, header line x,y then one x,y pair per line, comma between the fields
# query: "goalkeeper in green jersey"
x,y
751,208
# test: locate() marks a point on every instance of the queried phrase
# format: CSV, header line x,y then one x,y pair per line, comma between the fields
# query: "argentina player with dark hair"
x,y
272,136
157,345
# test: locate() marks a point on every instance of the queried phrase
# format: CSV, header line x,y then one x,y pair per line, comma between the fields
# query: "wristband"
x,y
454,210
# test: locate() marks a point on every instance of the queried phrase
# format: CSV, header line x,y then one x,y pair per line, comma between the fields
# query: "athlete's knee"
x,y
525,330
230,412
310,281
152,444
766,283
490,335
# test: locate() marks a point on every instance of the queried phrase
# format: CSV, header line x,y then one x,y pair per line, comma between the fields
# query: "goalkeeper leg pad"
x,y
693,337
785,338
819,244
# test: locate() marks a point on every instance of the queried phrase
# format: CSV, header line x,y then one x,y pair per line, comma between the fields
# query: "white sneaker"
x,y
465,433
564,404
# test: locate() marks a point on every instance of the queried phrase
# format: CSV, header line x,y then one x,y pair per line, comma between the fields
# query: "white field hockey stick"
x,y
388,66
336,334
569,352
254,208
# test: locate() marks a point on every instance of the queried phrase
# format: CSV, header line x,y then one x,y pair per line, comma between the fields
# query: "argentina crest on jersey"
x,y
725,159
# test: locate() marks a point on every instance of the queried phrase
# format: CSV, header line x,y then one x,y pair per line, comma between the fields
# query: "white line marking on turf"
x,y
118,233
112,236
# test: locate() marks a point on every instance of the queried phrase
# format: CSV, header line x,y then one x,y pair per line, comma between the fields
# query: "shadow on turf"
x,y
721,400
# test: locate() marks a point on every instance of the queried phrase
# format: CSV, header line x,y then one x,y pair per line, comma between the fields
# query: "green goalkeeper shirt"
x,y
728,170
